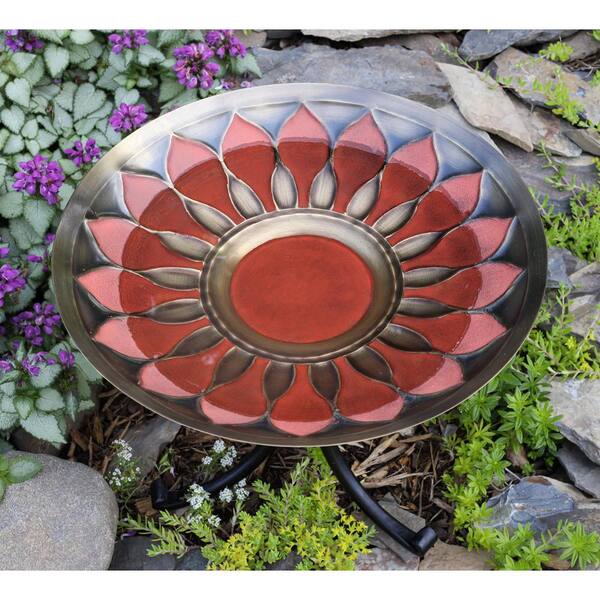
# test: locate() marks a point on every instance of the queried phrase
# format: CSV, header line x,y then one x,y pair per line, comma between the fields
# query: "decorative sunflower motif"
x,y
305,279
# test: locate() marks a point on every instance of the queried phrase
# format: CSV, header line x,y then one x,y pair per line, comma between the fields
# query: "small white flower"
x,y
207,460
226,495
226,461
241,493
214,521
218,446
197,496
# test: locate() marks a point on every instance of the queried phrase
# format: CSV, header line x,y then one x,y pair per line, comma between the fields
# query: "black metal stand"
x,y
418,542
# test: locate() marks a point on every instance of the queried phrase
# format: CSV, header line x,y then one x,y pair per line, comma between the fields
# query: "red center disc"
x,y
301,289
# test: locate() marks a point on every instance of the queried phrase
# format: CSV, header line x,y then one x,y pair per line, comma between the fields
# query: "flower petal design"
x,y
420,372
457,332
474,287
363,399
127,292
464,246
133,247
185,376
303,147
239,402
408,173
142,337
250,156
446,206
197,173
358,155
301,410
156,206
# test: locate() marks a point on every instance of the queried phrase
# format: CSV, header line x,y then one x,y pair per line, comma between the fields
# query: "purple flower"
x,y
11,281
66,358
128,38
225,44
4,251
40,176
36,324
128,117
34,258
49,238
82,153
193,67
6,366
246,84
30,367
21,40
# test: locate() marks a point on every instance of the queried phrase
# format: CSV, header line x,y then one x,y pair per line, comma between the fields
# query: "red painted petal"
x,y
304,149
363,399
132,247
183,376
197,173
241,401
474,287
464,246
249,155
124,291
408,174
420,372
142,337
301,410
455,333
156,206
358,155
446,206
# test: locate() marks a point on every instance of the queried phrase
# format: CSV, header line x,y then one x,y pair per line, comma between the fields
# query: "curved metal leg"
x,y
418,542
162,499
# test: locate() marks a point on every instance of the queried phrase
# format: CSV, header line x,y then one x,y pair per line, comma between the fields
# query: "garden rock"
x,y
561,265
578,403
480,43
533,169
407,73
544,128
131,555
254,38
585,311
583,44
485,105
148,440
289,563
450,557
534,500
586,280
522,71
581,470
451,111
430,44
355,35
381,559
587,139
65,518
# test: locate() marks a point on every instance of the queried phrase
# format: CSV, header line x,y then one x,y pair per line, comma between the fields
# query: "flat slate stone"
x,y
451,111
408,73
65,518
382,559
561,265
547,129
587,139
479,44
581,470
586,279
586,316
450,557
521,70
428,43
356,35
578,403
485,105
583,44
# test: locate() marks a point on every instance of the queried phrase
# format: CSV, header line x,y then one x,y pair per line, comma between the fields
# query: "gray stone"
x,y
534,170
585,311
381,559
586,279
534,500
192,561
521,72
428,43
485,105
148,439
407,73
578,403
65,518
255,38
356,35
583,44
479,44
587,139
289,563
131,555
545,128
450,557
581,470
561,265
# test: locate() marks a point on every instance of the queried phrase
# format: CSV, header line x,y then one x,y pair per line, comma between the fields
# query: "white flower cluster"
x,y
214,521
228,458
218,447
226,495
119,480
197,496
207,460
241,493
123,450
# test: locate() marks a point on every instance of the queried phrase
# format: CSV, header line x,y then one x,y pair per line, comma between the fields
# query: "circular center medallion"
x,y
300,285
302,289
